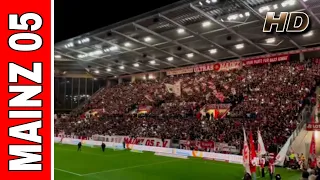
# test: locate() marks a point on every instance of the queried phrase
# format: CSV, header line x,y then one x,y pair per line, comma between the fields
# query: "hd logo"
x,y
292,22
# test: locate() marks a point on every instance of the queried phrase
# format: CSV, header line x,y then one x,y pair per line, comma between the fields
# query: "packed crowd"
x,y
268,97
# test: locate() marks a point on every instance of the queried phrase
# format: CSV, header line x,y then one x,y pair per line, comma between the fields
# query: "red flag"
x,y
313,145
253,153
313,149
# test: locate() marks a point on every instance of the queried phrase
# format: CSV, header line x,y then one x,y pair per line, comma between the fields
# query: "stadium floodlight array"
x,y
170,58
285,3
147,39
310,33
93,53
181,30
152,62
98,52
213,51
288,3
85,40
239,46
112,48
127,44
270,40
69,45
234,17
190,55
206,23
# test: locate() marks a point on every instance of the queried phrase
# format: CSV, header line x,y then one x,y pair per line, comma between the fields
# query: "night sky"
x,y
75,17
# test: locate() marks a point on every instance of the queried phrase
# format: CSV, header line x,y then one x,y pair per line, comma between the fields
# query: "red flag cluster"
x,y
250,160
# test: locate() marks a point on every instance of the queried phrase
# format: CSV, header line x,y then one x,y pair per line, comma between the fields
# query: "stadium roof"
x,y
184,33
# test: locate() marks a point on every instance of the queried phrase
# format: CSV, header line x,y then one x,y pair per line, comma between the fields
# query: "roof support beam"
x,y
173,41
136,52
95,57
155,45
198,35
309,11
154,48
139,70
184,38
261,18
227,28
124,48
79,61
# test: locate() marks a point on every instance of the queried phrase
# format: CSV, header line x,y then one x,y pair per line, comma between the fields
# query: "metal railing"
x,y
304,117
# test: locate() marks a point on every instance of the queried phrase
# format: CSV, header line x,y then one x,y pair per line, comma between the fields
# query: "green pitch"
x,y
93,164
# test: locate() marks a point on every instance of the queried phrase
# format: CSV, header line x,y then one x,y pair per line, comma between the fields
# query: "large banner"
x,y
60,135
148,141
229,65
313,127
213,146
207,144
184,70
130,140
203,68
220,66
224,147
266,60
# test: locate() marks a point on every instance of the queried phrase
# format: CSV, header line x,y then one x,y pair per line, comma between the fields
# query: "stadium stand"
x,y
268,97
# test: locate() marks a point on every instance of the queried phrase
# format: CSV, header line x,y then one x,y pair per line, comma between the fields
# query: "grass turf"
x,y
93,164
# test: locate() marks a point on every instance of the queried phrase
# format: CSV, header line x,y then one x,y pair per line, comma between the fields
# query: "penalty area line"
x,y
69,172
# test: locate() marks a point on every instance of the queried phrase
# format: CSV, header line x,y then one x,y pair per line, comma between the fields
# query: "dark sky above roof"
x,y
73,18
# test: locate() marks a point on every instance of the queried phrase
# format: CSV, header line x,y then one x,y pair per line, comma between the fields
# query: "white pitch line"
x,y
69,172
130,167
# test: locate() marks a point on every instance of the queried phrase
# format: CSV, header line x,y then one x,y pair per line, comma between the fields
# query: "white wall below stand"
x,y
298,145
